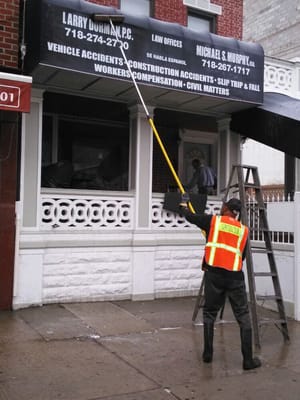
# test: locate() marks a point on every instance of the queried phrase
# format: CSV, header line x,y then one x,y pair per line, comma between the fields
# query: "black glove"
x,y
185,198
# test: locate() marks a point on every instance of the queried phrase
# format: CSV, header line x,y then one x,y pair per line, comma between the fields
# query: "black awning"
x,y
282,105
275,123
161,54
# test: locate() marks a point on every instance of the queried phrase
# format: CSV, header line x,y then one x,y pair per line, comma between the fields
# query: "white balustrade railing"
x,y
278,234
166,219
282,76
79,212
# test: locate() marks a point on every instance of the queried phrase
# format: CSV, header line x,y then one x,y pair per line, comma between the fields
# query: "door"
x,y
196,145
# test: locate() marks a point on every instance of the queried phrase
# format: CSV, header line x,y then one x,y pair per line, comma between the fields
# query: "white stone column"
x,y
297,175
297,255
28,271
140,172
229,150
143,266
31,161
224,153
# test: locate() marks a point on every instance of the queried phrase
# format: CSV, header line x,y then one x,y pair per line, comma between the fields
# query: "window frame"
x,y
57,121
151,8
211,18
198,139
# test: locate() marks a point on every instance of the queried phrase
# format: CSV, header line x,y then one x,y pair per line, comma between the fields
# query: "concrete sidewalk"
x,y
137,351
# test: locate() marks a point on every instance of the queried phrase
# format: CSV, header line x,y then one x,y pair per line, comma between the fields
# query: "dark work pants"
x,y
203,193
216,289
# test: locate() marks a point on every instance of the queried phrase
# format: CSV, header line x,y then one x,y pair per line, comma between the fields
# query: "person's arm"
x,y
201,220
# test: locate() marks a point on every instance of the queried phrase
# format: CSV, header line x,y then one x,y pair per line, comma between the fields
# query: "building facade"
x,y
90,223
276,26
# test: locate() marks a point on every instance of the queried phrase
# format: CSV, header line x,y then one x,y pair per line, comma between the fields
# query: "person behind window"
x,y
203,177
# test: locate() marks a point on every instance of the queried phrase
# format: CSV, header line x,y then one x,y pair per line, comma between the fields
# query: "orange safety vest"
x,y
225,244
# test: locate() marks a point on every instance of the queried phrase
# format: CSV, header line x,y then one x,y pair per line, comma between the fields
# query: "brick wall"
x,y
9,34
109,3
171,11
228,24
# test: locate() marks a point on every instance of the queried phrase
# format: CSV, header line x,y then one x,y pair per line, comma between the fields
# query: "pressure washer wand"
x,y
119,19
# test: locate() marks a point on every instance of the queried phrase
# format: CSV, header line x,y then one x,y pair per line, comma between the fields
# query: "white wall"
x,y
144,268
270,162
285,262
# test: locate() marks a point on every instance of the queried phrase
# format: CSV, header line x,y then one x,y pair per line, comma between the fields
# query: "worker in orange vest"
x,y
226,239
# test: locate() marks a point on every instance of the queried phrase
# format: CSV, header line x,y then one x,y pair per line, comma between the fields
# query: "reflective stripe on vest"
x,y
240,231
238,254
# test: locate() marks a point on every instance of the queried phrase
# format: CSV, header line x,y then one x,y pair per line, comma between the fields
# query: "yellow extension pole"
x,y
162,147
150,120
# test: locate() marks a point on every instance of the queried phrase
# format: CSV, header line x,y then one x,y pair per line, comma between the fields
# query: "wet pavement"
x,y
137,351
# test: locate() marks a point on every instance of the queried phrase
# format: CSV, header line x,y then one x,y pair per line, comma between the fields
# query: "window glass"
x,y
83,152
136,7
200,23
47,141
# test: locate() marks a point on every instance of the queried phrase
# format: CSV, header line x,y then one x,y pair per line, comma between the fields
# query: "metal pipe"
x,y
116,18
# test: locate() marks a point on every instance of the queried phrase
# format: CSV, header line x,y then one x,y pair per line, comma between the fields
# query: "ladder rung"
x,y
244,166
272,321
231,186
268,297
251,185
260,250
265,274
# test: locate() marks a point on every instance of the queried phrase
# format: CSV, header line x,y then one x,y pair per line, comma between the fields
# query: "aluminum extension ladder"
x,y
244,180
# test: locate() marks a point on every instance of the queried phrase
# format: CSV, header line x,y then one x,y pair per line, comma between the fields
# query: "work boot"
x,y
208,343
249,362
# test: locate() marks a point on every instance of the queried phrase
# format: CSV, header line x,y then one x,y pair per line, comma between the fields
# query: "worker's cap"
x,y
234,205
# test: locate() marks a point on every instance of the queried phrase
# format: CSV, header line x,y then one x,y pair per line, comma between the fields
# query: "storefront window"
x,y
47,140
84,153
